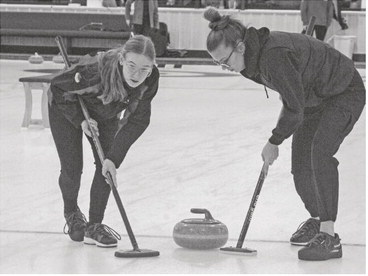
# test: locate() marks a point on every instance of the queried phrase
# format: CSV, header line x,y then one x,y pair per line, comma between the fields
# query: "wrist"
x,y
275,141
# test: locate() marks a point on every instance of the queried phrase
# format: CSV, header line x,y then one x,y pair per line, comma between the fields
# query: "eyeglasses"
x,y
133,69
224,63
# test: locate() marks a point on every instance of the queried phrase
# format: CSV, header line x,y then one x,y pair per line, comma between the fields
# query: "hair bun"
x,y
212,15
217,22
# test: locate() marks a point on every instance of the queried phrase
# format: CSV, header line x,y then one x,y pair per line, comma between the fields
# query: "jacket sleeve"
x,y
64,89
282,72
136,124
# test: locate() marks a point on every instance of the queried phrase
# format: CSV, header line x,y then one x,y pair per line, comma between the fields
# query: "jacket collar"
x,y
254,41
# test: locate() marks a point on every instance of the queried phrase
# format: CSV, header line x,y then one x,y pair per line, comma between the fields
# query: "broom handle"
x,y
310,26
252,206
100,152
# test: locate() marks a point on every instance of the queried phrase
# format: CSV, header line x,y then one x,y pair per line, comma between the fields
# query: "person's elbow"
x,y
141,123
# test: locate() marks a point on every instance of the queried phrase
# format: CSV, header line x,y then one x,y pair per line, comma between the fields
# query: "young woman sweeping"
x,y
123,78
323,96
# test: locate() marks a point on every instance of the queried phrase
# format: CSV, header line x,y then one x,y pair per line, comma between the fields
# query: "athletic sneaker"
x,y
76,223
322,247
306,231
101,235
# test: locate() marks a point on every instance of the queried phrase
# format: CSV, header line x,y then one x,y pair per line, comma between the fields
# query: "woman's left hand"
x,y
109,166
270,153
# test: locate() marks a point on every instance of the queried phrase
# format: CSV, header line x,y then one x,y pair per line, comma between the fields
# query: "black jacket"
x,y
304,70
137,106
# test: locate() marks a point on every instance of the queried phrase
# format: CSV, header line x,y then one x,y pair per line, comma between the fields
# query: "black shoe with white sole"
x,y
76,223
101,235
306,231
322,247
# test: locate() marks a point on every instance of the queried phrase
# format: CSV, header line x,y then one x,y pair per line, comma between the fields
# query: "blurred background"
x,y
28,26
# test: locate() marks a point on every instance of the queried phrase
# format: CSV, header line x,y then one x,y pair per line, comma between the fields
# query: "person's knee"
x,y
72,173
301,177
323,157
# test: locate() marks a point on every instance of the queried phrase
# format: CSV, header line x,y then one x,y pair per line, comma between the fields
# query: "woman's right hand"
x,y
85,127
270,153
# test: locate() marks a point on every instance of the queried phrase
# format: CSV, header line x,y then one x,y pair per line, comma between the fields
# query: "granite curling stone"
x,y
58,59
196,233
35,59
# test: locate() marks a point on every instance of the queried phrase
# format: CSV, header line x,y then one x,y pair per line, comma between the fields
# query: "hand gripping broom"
x,y
136,252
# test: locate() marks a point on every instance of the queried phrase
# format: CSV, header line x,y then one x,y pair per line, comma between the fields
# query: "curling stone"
x,y
35,59
195,233
58,59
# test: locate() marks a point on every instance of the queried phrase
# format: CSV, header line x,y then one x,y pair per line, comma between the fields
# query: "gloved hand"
x,y
270,153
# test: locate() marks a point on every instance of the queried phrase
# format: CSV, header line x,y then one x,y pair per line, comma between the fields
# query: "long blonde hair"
x,y
108,66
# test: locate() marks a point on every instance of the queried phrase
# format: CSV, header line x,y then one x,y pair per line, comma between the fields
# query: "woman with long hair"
x,y
322,95
123,78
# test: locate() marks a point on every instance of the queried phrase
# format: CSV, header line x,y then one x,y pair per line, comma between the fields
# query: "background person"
x,y
323,11
145,16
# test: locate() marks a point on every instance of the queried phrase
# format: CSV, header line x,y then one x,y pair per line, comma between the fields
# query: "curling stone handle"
x,y
207,213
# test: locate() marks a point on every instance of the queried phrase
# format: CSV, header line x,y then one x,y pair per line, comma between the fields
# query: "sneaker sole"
x,y
331,256
299,243
90,241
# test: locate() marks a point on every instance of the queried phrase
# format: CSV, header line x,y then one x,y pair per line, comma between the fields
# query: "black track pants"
x,y
315,143
68,141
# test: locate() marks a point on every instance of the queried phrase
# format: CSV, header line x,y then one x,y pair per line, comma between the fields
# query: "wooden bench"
x,y
36,83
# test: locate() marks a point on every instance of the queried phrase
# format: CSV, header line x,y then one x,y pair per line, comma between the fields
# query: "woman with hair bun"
x,y
123,78
323,96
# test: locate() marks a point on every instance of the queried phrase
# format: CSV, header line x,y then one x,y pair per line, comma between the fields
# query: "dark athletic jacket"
x,y
304,70
137,106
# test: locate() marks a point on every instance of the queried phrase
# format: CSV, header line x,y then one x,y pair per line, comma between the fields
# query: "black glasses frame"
x,y
224,63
